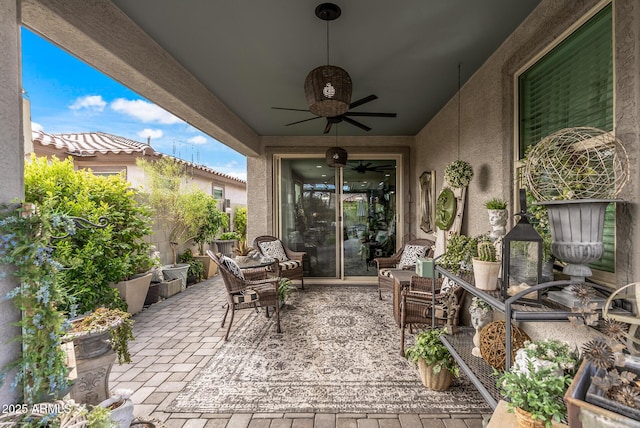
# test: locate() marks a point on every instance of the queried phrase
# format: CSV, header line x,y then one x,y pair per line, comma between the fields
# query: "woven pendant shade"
x,y
328,91
336,157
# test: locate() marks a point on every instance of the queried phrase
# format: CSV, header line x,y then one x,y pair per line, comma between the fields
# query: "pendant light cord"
x,y
327,42
458,155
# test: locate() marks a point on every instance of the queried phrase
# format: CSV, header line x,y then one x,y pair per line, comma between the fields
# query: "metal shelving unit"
x,y
515,308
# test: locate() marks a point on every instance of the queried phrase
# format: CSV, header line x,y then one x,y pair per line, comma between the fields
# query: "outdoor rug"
x,y
338,353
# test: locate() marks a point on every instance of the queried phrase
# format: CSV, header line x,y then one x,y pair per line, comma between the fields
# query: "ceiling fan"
x,y
344,117
328,87
361,168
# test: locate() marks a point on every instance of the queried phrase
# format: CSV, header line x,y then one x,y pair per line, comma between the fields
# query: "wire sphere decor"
x,y
492,343
577,163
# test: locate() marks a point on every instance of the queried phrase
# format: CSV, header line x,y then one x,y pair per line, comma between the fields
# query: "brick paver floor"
x,y
177,337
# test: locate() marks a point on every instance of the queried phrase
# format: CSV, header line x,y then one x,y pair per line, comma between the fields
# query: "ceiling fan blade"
x,y
305,120
289,109
362,101
328,127
361,114
354,123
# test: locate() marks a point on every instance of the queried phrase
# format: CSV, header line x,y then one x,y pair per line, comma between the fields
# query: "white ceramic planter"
x,y
176,272
486,274
134,291
123,414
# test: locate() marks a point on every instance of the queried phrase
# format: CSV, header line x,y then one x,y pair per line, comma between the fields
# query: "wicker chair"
x,y
417,301
291,268
242,293
386,264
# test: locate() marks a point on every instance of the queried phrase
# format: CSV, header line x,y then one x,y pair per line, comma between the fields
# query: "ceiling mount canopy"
x,y
328,88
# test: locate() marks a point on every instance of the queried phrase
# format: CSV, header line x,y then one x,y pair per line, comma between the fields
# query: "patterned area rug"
x,y
339,352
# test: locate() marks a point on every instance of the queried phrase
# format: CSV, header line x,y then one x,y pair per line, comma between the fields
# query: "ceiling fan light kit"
x,y
328,91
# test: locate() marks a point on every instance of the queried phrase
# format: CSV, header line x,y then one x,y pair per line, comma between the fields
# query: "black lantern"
x,y
521,253
336,157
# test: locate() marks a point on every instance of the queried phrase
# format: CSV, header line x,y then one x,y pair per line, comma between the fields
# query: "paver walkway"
x,y
177,337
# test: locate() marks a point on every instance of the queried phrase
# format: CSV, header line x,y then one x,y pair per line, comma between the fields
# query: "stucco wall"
x,y
11,164
487,118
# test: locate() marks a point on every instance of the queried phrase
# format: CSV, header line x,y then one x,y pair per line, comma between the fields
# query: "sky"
x,y
69,96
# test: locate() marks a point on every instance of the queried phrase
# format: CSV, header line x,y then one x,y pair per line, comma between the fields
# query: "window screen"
x,y
572,86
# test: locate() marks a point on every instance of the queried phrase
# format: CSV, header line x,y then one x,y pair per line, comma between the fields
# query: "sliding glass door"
x,y
342,218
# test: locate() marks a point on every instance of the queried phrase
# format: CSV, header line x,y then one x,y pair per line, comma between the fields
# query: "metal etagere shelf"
x,y
515,308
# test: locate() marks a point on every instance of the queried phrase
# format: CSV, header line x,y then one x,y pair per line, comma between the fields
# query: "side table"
x,y
401,279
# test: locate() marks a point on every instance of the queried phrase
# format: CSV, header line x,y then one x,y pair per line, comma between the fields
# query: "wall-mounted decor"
x,y
428,201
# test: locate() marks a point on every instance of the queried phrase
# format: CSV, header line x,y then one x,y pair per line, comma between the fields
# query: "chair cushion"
x,y
232,266
385,272
290,264
273,249
410,254
245,296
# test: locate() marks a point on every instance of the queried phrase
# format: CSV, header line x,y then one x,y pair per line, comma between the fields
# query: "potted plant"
x,y
179,208
606,385
213,220
535,395
461,249
120,407
109,245
497,210
486,266
226,242
458,174
576,173
62,414
435,363
102,329
243,251
284,290
196,267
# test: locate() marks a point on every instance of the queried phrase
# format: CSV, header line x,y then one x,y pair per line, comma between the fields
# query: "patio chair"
x,y
291,262
417,302
242,293
405,259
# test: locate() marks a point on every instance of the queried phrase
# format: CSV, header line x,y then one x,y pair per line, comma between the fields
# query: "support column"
x,y
12,167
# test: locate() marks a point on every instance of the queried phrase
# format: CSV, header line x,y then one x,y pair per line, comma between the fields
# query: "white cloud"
x,y
89,102
144,111
198,139
150,133
35,126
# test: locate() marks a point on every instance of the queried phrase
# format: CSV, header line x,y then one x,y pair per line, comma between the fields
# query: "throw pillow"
x,y
232,266
273,249
411,254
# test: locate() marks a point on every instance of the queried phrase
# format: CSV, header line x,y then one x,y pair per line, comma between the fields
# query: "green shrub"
x,y
227,236
240,221
430,348
94,257
196,267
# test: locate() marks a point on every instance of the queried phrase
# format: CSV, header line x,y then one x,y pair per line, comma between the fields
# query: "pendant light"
x,y
328,87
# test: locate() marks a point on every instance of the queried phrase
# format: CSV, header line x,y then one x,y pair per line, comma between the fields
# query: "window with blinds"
x,y
570,86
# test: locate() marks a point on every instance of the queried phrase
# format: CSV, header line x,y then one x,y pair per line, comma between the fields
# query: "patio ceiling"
x,y
254,55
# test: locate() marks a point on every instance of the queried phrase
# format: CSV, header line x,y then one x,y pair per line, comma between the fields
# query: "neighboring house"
x,y
107,154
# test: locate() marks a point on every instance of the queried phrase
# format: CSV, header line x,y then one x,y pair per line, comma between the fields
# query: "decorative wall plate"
x,y
445,209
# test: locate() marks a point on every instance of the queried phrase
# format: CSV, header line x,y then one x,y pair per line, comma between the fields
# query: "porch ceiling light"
x,y
328,87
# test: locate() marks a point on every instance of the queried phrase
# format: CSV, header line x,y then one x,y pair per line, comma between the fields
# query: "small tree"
x,y
212,220
179,207
240,221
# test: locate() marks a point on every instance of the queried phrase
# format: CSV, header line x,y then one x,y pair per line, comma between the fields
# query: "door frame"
x,y
401,205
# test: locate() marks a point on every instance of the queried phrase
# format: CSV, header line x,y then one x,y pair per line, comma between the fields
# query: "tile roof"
x,y
87,144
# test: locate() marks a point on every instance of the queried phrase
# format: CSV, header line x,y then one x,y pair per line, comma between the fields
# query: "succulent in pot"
x,y
243,251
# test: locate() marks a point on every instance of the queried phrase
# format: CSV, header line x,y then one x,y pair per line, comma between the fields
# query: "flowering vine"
x,y
26,235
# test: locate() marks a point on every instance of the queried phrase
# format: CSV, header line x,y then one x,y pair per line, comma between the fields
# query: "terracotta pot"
x,y
210,268
437,381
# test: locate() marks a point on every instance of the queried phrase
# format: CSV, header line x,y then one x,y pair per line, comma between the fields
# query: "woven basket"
x,y
525,421
492,343
438,382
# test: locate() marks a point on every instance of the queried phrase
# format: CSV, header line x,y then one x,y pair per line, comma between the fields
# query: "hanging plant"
x,y
458,174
